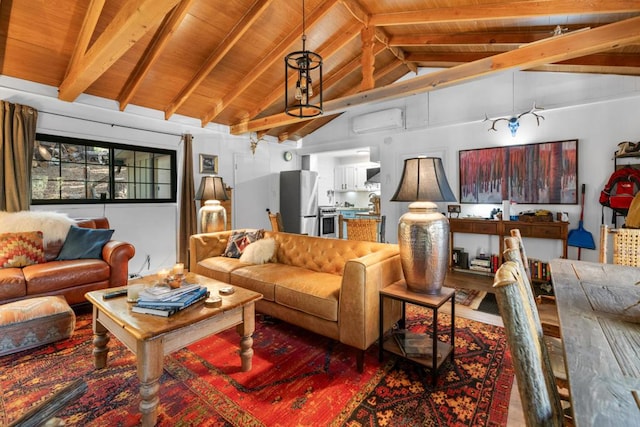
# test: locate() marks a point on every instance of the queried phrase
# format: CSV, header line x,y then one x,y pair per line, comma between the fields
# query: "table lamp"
x,y
423,232
212,215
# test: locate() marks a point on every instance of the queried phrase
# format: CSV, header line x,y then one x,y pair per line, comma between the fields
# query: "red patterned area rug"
x,y
298,379
469,297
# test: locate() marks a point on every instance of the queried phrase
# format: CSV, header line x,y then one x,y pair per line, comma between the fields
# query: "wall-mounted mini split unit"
x,y
379,120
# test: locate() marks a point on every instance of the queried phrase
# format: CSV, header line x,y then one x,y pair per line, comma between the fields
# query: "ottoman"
x,y
33,322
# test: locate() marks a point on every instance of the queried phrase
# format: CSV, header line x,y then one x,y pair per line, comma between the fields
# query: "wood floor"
x,y
471,281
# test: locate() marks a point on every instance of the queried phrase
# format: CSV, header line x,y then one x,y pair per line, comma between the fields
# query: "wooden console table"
x,y
541,230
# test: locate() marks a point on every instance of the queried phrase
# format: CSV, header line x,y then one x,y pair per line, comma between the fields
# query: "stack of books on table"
x,y
165,301
413,344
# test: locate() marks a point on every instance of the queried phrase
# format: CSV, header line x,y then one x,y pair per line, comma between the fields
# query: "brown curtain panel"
x,y
188,221
18,127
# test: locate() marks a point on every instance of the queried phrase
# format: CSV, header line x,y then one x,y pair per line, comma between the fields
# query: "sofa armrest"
x,y
117,255
360,297
206,245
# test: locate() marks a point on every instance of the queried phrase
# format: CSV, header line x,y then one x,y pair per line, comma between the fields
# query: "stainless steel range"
x,y
328,223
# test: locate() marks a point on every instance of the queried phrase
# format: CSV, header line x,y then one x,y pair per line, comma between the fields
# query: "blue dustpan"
x,y
580,237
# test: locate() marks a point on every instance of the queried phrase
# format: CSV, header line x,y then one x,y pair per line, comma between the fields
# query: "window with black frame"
x,y
72,170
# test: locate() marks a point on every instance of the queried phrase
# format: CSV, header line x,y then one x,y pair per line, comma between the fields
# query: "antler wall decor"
x,y
254,142
514,121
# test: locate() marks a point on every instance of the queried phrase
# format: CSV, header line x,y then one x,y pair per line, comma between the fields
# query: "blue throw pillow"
x,y
84,243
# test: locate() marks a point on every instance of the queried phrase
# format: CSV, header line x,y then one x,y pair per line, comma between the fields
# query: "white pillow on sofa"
x,y
259,252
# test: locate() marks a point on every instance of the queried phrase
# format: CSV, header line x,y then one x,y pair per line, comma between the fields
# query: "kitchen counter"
x,y
351,212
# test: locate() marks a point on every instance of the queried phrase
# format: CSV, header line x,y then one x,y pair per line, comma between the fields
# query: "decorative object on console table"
x,y
423,232
212,216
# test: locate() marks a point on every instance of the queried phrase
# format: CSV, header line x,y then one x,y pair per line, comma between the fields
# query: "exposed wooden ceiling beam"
x,y
277,54
153,51
88,27
355,8
595,69
367,37
429,59
504,10
554,49
610,60
131,22
471,39
239,30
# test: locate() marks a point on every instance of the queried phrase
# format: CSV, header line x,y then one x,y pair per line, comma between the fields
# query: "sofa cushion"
x,y
83,243
259,252
239,240
311,292
218,267
12,284
298,288
21,249
57,275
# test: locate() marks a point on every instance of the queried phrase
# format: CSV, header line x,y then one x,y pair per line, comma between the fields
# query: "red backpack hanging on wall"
x,y
619,191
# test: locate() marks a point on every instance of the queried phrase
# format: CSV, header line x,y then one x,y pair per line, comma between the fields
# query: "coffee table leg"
x,y
150,357
100,341
245,330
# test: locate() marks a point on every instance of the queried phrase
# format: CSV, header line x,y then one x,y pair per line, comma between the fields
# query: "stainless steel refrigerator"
x,y
299,201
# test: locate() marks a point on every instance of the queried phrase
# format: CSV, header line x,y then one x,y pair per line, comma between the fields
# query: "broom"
x,y
580,237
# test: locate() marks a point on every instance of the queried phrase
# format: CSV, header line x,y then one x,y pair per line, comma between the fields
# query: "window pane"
x,y
81,170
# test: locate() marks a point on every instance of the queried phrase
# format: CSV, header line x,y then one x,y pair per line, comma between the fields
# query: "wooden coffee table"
x,y
151,338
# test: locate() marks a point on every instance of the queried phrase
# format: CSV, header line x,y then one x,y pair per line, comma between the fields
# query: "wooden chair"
x,y
625,243
539,395
359,228
546,304
276,221
552,341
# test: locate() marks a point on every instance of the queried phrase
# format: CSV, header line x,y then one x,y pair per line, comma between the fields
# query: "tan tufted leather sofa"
x,y
73,278
328,286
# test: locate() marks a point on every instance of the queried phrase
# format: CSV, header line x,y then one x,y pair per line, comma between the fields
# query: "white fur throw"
x,y
54,225
259,252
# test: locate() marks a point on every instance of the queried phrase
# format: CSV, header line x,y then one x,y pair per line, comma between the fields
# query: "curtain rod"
x,y
112,124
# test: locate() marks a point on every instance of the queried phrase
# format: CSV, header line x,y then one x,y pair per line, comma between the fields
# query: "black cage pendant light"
x,y
302,64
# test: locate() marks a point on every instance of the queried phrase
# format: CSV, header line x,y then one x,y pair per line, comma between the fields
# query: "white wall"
x,y
598,110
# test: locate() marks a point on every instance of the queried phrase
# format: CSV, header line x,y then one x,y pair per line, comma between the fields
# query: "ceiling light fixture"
x,y
303,63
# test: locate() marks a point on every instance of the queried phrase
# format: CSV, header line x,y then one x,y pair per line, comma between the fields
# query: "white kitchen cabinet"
x,y
360,178
350,178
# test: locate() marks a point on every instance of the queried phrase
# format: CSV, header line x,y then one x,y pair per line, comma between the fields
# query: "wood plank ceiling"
x,y
222,61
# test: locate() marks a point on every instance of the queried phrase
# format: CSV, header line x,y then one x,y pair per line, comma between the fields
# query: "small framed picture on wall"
x,y
208,163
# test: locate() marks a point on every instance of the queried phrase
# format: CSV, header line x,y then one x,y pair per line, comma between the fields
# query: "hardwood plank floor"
x,y
484,283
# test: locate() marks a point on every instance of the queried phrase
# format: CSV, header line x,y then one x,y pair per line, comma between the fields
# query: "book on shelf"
x,y
166,311
414,344
480,268
482,262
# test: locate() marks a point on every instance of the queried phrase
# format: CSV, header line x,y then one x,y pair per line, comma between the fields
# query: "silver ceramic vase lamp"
x,y
423,232
212,215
